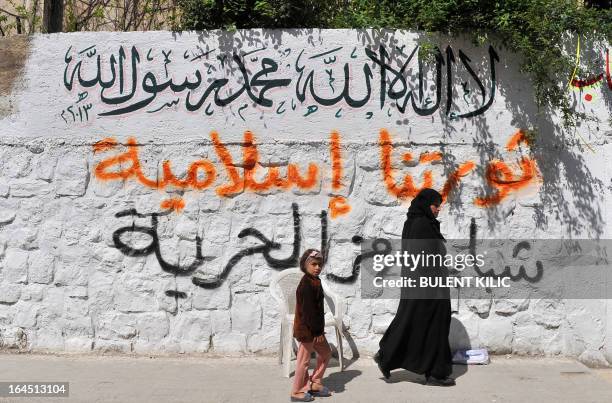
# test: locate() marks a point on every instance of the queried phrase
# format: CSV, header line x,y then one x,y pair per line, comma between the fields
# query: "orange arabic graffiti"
x,y
106,144
237,184
250,162
192,175
455,177
131,157
430,157
408,189
501,177
202,174
334,148
498,174
338,206
516,139
176,204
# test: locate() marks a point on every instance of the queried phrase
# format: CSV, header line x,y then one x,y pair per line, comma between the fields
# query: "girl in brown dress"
x,y
308,329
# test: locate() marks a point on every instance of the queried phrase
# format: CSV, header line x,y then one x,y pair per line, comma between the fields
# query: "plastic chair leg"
x,y
340,351
287,347
280,343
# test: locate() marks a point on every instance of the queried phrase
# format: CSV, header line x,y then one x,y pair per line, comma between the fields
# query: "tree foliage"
x,y
243,14
30,16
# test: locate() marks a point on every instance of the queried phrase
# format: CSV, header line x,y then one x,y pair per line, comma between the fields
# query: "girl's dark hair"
x,y
305,255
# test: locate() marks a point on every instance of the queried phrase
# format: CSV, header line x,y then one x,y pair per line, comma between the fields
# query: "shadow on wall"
x,y
570,190
596,59
570,193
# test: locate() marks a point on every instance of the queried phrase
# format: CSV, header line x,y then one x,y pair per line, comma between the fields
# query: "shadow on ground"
x,y
336,381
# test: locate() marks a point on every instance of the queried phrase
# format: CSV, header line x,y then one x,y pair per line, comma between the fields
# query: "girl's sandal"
x,y
307,398
324,392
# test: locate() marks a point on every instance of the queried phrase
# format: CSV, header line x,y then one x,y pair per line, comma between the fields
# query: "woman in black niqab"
x,y
417,338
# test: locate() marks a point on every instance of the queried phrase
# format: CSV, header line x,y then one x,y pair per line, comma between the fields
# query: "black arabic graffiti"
x,y
507,272
126,84
267,246
309,84
153,246
379,247
82,110
403,95
151,86
264,249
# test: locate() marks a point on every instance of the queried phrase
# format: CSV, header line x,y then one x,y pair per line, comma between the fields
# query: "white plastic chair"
x,y
282,288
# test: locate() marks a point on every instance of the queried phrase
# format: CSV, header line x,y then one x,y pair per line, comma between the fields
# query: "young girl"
x,y
308,329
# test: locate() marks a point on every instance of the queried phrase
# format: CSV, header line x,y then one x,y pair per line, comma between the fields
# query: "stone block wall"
x,y
152,184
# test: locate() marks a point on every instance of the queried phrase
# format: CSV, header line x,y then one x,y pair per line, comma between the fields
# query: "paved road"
x,y
259,379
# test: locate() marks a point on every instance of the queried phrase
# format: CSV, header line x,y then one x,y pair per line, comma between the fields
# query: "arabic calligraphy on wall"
x,y
371,81
268,247
502,177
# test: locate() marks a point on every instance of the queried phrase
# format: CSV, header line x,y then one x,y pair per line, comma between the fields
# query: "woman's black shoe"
x,y
386,373
432,380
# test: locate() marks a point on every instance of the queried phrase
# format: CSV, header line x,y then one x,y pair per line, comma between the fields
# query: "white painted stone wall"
x,y
65,286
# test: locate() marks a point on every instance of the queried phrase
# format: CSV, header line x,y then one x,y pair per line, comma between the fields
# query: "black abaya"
x,y
417,338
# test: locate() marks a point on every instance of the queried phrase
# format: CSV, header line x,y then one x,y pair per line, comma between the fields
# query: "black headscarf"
x,y
420,206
